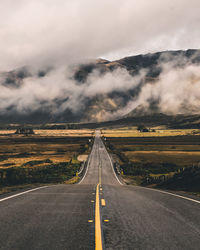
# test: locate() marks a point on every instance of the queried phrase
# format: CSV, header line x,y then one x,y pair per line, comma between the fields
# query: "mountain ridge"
x,y
100,106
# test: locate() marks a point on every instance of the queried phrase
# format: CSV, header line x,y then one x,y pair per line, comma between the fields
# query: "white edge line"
x,y
86,169
15,195
113,168
164,192
176,195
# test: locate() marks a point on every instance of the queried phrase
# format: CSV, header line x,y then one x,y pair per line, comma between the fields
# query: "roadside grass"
x,y
8,189
73,180
158,161
37,160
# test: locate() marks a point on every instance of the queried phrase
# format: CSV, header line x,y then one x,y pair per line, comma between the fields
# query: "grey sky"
x,y
38,32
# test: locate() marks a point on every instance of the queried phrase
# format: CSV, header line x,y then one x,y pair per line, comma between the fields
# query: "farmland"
x,y
159,131
45,157
155,160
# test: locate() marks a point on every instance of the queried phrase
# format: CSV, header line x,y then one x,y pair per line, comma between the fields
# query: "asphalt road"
x,y
65,216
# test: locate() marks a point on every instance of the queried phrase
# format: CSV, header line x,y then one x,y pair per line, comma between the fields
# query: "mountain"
x,y
113,103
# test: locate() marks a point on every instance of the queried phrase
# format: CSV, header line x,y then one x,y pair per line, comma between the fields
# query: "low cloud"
x,y
58,90
176,91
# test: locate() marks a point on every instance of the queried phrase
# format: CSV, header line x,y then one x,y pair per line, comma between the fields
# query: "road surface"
x,y
99,212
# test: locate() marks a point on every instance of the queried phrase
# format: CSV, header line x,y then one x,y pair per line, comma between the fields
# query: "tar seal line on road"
x,y
15,195
113,168
176,195
86,169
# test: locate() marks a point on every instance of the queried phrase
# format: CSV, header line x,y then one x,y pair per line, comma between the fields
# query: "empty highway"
x,y
100,212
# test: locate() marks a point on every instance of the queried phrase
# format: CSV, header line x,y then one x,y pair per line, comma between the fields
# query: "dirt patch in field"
x,y
82,158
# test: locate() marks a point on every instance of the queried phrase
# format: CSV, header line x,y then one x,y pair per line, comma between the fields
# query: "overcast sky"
x,y
65,31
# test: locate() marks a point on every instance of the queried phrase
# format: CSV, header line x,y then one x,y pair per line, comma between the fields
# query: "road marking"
x,y
103,202
176,195
106,220
15,195
92,201
98,236
101,189
90,221
86,169
113,168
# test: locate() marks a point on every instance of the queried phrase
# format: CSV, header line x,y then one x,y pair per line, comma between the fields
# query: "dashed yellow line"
x,y
98,236
103,202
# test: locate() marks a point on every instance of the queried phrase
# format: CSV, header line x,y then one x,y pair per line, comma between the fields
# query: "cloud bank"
x,y
177,91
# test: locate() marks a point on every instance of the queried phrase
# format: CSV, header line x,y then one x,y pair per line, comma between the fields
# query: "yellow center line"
x,y
103,202
98,236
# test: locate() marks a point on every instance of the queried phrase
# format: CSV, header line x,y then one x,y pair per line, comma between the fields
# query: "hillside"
x,y
100,90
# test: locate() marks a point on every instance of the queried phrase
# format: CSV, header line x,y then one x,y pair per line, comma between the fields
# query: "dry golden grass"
x,y
17,154
17,162
133,132
73,180
6,132
65,132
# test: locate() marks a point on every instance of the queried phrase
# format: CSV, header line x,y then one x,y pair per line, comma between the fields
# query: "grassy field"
x,y
66,132
17,150
180,150
150,160
30,159
159,132
54,132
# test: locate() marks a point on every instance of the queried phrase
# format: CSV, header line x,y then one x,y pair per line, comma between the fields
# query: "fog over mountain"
x,y
50,66
100,90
